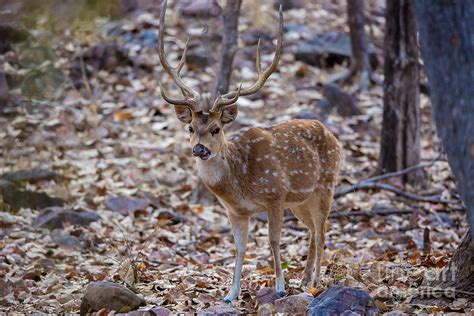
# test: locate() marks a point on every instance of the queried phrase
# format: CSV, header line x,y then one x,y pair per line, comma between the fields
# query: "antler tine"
x,y
263,75
222,102
191,96
187,102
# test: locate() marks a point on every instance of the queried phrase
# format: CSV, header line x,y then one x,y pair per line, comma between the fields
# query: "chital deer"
x,y
290,165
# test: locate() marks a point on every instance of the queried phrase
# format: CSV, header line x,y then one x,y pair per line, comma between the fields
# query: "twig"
x,y
387,187
403,171
370,183
370,213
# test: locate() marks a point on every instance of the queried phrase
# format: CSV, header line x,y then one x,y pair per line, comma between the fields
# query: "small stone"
x,y
160,311
345,300
155,311
46,263
307,114
55,218
328,49
67,241
125,205
4,288
267,295
199,8
16,198
294,304
112,296
221,309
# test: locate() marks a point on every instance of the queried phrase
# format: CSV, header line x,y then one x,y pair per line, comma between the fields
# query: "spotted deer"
x,y
291,165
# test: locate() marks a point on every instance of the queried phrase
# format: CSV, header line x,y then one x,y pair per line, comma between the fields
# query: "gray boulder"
x,y
342,300
111,296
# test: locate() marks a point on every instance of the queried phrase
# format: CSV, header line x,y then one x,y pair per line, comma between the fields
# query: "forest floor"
x,y
113,136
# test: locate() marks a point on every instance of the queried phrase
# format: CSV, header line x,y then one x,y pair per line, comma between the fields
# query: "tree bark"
x,y
359,42
400,143
229,45
446,32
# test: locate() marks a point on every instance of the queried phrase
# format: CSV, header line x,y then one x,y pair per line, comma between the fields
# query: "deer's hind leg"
x,y
304,212
320,218
313,213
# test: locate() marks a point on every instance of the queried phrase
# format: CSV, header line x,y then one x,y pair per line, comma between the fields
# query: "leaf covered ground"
x,y
123,155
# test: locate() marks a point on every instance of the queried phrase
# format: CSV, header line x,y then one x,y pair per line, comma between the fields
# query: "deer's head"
x,y
206,128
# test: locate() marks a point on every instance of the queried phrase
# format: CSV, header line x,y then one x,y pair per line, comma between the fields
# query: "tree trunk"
x,y
446,31
229,45
359,42
400,143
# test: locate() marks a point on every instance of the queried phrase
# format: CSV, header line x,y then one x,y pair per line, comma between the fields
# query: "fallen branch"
x,y
370,183
369,213
387,187
403,171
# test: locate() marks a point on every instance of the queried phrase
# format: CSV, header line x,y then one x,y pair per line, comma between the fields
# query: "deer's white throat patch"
x,y
213,170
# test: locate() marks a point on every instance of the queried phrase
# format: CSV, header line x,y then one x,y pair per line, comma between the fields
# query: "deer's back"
x,y
286,163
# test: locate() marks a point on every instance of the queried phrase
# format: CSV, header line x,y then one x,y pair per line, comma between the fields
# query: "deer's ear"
x,y
229,114
183,113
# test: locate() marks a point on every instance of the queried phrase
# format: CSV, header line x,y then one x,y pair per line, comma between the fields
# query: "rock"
x,y
294,304
307,114
16,198
221,309
46,263
67,241
288,4
127,6
160,311
11,30
267,295
198,57
125,205
5,288
112,296
155,311
199,8
106,56
330,48
55,218
30,176
345,300
335,97
3,86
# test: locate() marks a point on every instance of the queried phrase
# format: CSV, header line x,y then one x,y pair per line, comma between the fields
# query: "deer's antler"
x,y
232,97
191,97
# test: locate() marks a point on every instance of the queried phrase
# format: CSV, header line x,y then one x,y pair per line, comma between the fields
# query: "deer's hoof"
x,y
281,294
227,300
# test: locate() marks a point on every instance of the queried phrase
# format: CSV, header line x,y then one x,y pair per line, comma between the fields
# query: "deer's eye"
x,y
190,129
215,131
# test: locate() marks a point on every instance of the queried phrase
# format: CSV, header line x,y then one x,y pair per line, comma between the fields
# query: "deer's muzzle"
x,y
201,151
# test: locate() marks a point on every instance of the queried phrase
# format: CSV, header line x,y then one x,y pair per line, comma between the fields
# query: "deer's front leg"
x,y
240,228
275,222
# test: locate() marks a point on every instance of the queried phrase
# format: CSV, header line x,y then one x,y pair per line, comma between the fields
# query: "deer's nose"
x,y
201,151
